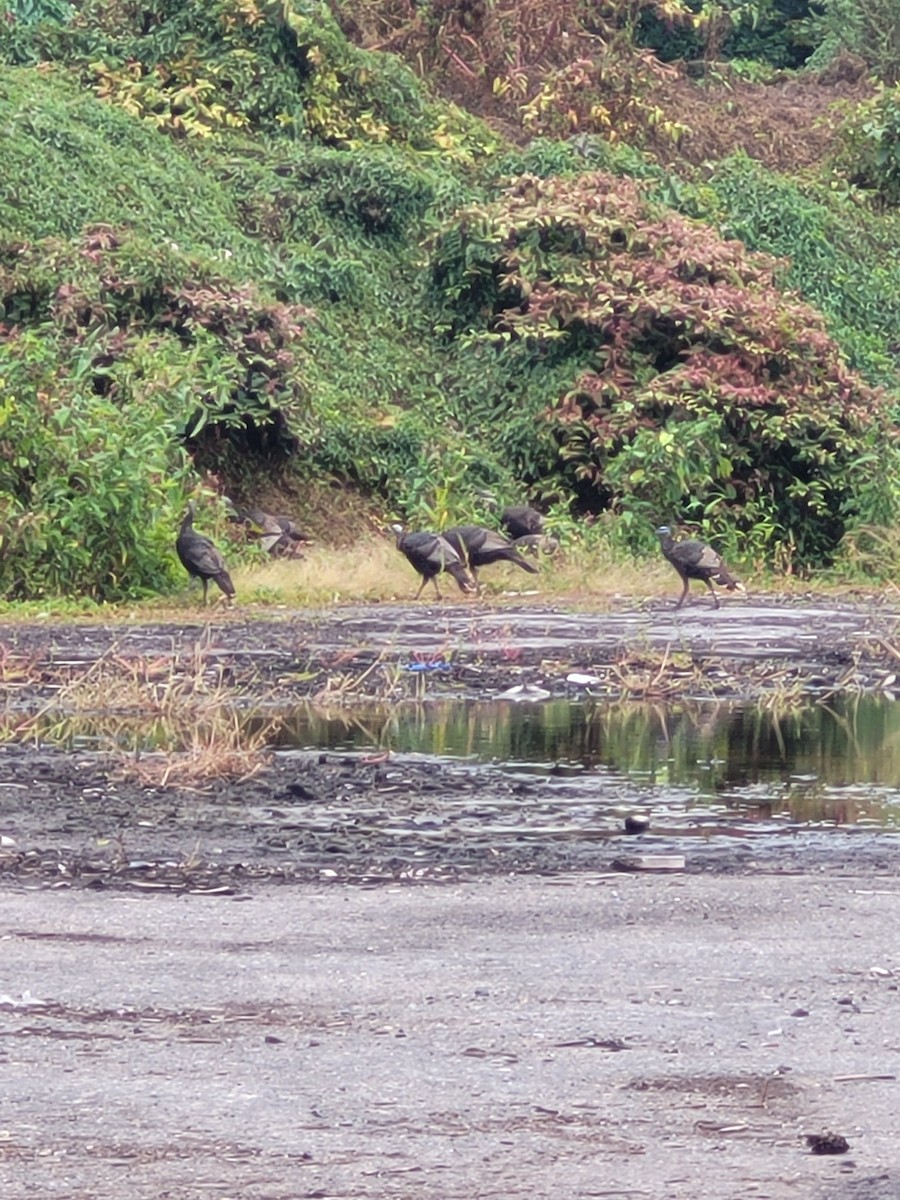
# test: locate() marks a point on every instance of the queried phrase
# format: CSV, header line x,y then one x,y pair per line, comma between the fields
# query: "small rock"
x,y
827,1143
636,824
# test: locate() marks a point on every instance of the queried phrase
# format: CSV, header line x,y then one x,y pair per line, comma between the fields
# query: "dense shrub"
x,y
227,166
709,396
188,69
195,69
81,162
115,352
869,29
238,350
302,193
770,31
837,254
89,489
870,144
545,157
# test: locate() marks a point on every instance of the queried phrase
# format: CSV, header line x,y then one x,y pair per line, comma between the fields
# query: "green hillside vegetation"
x,y
241,254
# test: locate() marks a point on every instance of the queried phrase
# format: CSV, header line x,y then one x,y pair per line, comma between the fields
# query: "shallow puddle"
x,y
835,763
412,744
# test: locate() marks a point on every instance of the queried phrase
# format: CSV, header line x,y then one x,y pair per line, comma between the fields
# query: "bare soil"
x,y
358,976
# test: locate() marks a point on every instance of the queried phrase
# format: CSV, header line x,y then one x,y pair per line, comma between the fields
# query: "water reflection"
x,y
839,761
850,741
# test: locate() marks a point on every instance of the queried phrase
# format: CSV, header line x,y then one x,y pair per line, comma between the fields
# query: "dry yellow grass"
x,y
178,705
375,571
371,570
221,747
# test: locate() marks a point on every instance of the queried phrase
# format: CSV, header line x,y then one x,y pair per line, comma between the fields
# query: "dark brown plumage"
x,y
478,547
430,554
277,534
520,520
693,559
200,558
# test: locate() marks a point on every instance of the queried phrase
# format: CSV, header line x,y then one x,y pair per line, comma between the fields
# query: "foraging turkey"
x,y
477,547
693,559
276,534
430,554
200,558
520,520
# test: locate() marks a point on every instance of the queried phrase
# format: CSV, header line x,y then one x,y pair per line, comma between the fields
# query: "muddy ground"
x,y
83,818
367,976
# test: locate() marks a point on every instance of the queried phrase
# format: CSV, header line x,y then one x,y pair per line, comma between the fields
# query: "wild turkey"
x,y
276,534
430,554
477,547
200,558
693,559
520,520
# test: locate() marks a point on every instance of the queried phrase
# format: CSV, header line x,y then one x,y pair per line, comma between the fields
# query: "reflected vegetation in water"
x,y
837,762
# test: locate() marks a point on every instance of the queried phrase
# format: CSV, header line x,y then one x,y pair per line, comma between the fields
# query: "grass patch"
x,y
375,571
168,721
588,576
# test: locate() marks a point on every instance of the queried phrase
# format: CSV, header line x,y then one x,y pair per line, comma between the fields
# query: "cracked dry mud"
x,y
396,979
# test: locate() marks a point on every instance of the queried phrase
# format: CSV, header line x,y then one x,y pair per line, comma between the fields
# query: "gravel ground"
x,y
349,976
580,1037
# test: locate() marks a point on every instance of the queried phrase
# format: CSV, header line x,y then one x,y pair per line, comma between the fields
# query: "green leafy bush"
x,y
82,162
116,353
239,349
836,253
89,490
18,19
572,156
303,192
769,31
199,69
870,150
709,396
189,69
869,29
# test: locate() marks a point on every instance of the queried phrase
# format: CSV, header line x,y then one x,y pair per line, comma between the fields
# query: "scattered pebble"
x,y
636,824
827,1143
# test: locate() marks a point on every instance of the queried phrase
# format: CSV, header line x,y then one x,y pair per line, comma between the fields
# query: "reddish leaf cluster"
x,y
118,287
680,326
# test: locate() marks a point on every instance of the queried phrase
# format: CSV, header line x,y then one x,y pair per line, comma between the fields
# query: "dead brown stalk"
x,y
179,704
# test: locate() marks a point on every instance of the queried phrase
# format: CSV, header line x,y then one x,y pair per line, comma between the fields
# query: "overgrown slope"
x,y
234,244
